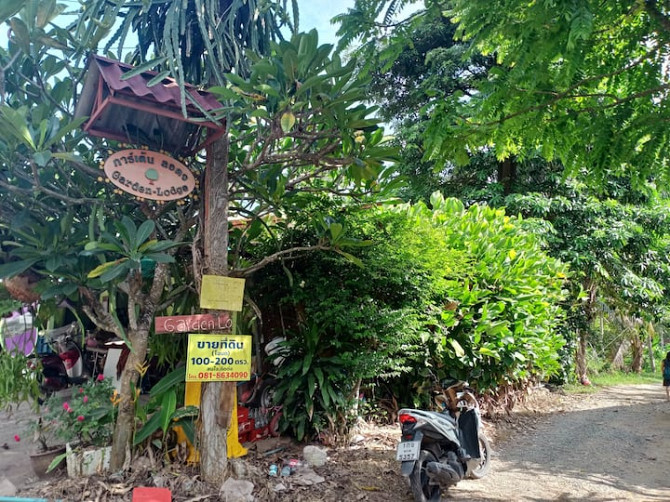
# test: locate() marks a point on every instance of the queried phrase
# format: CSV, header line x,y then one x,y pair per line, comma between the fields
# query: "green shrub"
x,y
466,294
502,311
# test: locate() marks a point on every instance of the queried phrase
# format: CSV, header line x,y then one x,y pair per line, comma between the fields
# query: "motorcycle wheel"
x,y
264,400
419,481
485,464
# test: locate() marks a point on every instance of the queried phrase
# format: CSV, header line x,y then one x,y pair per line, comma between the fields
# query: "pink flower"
x,y
17,438
80,418
101,377
81,391
85,399
66,406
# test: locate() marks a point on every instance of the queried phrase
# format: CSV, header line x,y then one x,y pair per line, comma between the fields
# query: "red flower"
x,y
101,377
17,438
80,418
85,399
66,406
81,391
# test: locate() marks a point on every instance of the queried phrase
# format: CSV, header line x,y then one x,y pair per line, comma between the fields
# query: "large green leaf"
x,y
106,268
169,381
458,349
10,7
14,268
168,407
148,66
188,426
287,121
152,425
154,246
14,123
144,232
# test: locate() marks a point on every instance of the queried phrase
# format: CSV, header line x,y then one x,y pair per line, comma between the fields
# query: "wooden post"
x,y
216,403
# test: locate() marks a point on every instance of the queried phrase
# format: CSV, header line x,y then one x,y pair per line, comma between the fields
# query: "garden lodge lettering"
x,y
143,158
147,174
186,325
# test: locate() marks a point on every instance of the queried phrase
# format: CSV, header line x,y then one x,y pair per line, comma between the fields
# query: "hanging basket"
x,y
22,288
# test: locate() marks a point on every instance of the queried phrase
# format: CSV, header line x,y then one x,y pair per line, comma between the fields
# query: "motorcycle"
x,y
257,416
61,358
439,449
65,361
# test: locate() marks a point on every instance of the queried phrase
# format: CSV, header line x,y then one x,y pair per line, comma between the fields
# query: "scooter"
x,y
439,449
61,358
66,361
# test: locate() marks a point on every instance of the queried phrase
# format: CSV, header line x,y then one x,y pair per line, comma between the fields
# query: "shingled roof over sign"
x,y
133,112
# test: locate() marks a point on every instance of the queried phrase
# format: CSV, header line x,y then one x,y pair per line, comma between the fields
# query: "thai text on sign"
x,y
149,175
218,358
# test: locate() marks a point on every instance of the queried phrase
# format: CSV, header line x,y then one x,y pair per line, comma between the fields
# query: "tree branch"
x,y
558,96
97,313
286,253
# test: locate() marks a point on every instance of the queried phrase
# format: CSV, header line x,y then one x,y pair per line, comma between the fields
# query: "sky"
x,y
313,14
318,13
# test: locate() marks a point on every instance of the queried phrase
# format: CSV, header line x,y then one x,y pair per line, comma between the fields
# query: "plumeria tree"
x,y
296,130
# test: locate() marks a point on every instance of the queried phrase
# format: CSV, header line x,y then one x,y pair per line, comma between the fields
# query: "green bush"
x,y
502,308
458,293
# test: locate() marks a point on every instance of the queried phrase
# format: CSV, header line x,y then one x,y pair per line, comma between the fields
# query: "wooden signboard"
x,y
194,323
149,175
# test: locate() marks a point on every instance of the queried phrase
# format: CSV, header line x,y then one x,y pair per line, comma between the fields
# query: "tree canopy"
x,y
582,82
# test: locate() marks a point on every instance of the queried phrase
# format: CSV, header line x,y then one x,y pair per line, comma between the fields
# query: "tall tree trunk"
x,y
138,336
580,362
507,174
662,341
216,396
125,421
650,345
589,309
617,359
637,344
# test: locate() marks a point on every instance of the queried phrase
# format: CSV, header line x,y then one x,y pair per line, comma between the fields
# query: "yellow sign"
x,y
221,293
218,358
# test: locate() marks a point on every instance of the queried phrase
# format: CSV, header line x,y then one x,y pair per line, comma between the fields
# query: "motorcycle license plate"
x,y
408,450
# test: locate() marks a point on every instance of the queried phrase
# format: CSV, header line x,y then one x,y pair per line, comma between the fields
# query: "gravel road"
x,y
613,445
610,446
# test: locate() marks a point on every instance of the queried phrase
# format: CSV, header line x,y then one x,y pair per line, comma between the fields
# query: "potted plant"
x,y
46,459
85,423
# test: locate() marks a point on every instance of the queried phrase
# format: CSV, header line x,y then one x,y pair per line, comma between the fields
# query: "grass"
x,y
598,381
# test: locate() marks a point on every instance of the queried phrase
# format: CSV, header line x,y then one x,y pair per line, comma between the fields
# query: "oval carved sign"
x,y
149,175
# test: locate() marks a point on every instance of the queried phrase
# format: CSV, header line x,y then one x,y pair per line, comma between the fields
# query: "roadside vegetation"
x,y
513,230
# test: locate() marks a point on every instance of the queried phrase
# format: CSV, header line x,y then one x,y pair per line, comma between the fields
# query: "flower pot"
x,y
42,460
88,460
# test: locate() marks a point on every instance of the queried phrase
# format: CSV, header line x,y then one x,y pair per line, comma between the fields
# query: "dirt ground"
x,y
613,445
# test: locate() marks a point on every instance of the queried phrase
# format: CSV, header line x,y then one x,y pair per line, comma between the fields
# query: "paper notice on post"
x,y
221,293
